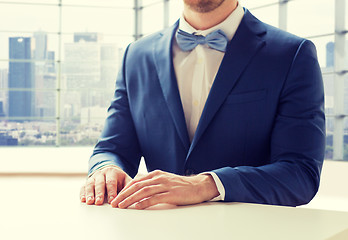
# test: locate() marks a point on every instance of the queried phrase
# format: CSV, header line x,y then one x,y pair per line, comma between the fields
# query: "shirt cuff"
x,y
220,187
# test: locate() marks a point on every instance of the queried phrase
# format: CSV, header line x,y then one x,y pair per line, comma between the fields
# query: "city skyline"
x,y
86,53
82,55
78,106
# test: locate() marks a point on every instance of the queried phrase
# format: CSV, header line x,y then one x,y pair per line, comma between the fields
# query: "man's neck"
x,y
203,21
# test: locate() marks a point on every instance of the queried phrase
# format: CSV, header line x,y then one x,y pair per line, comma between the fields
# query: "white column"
x,y
338,134
283,14
59,78
138,30
165,13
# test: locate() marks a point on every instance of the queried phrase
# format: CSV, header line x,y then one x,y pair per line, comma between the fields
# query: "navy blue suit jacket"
x,y
262,130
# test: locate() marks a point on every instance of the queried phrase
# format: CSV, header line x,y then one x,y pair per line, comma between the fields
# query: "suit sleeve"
x,y
118,143
297,142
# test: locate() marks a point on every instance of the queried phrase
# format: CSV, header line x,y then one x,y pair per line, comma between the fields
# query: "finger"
x,y
140,178
82,194
125,193
126,181
154,200
145,192
99,189
134,181
89,190
111,185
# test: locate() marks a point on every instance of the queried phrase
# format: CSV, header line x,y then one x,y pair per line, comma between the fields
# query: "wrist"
x,y
207,187
109,165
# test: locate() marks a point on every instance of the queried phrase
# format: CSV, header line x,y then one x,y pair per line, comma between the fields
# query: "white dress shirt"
x,y
195,73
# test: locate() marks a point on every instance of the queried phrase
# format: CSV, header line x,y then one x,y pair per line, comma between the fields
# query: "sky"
x,y
306,18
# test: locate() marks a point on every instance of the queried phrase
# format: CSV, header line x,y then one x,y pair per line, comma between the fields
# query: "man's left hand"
x,y
162,187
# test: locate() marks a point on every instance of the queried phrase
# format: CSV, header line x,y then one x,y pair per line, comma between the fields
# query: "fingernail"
x,y
89,199
83,198
113,205
111,198
98,199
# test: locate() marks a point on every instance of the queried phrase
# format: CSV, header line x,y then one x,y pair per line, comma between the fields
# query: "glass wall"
x,y
325,23
59,61
58,65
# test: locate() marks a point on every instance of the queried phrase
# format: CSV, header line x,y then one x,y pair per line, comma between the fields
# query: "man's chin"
x,y
203,6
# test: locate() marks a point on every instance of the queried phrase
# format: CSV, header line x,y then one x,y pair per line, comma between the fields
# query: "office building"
x,y
45,76
86,37
110,60
2,113
330,54
21,77
3,92
40,52
50,63
88,67
7,140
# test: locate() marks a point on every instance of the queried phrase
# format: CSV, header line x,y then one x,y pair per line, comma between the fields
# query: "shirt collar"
x,y
229,25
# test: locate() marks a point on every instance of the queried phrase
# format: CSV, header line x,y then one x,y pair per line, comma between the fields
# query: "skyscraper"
x,y
40,52
90,66
21,101
3,93
50,64
2,113
45,76
330,54
86,37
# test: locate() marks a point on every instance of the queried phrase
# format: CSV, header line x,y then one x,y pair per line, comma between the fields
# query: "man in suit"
x,y
221,106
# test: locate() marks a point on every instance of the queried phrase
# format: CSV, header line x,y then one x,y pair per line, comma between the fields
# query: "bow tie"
x,y
216,40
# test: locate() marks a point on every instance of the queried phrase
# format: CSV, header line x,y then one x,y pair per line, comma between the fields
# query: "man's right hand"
x,y
105,182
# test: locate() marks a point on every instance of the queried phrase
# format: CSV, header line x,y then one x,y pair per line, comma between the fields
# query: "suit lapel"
x,y
240,51
164,65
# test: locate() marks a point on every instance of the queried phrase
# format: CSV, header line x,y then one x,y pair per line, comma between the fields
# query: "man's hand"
x,y
162,187
106,182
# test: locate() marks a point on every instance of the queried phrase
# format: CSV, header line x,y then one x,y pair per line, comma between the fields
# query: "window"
x,y
61,58
324,23
58,70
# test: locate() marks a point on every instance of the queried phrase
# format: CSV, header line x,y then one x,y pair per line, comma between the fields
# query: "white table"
x,y
49,208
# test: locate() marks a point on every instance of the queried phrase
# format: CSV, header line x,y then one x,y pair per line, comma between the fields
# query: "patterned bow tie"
x,y
216,40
